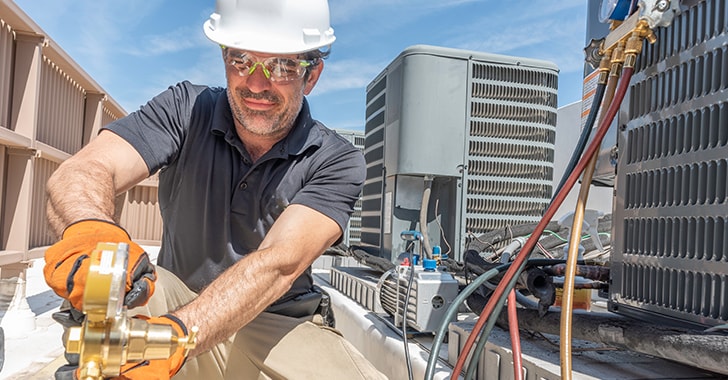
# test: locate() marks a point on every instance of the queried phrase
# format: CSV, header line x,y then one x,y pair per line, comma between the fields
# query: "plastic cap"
x,y
436,250
429,265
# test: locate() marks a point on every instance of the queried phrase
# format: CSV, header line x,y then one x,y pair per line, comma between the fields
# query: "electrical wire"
x,y
442,231
496,236
404,313
556,235
425,243
517,264
544,251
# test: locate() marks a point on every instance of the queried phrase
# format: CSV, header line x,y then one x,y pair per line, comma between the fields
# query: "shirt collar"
x,y
305,134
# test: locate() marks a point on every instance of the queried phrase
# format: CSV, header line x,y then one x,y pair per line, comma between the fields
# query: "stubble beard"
x,y
270,124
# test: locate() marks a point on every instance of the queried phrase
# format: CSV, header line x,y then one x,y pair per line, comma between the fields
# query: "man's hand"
x,y
67,262
158,369
148,369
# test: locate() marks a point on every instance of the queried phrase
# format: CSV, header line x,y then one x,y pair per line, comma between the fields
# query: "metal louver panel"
x,y
670,256
510,145
371,214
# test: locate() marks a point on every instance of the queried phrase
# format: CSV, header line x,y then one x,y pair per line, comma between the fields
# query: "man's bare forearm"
x,y
246,289
235,298
79,190
85,185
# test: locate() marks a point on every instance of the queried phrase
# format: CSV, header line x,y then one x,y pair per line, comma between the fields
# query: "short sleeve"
x,y
335,183
158,129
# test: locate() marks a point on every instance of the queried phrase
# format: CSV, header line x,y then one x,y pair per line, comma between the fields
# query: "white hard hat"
x,y
271,26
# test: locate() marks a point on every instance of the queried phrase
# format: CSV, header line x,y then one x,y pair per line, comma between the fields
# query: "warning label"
x,y
587,98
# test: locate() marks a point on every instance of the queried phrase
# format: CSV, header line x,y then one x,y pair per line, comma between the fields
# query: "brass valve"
x,y
109,338
624,41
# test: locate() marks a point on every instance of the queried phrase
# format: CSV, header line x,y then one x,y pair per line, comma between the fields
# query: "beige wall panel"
x,y
107,117
60,121
49,108
40,232
141,215
3,176
6,66
18,190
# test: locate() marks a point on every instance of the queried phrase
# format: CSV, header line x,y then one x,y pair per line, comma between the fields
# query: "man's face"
x,y
266,91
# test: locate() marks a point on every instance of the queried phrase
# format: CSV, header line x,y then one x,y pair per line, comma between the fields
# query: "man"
x,y
251,189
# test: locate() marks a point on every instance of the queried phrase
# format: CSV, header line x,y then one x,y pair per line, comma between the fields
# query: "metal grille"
x,y
669,258
371,200
352,233
511,145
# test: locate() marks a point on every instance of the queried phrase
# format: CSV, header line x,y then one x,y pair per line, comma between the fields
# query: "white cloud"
x,y
206,69
378,17
174,41
529,34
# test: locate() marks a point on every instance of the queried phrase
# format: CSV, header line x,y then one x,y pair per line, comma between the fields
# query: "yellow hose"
x,y
567,299
570,274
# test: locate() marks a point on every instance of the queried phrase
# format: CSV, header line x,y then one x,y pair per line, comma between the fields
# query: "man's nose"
x,y
258,78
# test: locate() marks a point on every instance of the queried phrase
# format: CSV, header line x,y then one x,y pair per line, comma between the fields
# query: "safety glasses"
x,y
276,69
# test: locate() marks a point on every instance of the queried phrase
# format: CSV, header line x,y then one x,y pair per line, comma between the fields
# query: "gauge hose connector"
x,y
108,338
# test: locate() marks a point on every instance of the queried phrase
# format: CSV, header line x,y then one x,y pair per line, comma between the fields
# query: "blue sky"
x,y
136,48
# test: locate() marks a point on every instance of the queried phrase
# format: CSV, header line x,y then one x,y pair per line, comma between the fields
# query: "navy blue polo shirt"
x,y
216,204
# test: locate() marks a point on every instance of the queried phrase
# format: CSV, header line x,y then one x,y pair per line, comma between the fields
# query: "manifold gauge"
x,y
615,10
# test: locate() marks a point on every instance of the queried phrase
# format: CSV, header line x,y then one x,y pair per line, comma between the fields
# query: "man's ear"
x,y
313,77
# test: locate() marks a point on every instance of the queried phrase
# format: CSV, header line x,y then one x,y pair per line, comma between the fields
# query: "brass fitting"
x,y
634,43
624,42
604,68
108,338
104,348
617,59
90,371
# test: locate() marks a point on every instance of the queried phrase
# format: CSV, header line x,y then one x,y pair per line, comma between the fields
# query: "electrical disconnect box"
x,y
458,143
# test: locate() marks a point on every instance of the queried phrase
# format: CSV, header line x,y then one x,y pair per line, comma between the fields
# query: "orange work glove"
x,y
158,369
67,262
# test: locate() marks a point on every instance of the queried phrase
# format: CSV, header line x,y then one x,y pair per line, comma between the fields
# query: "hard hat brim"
x,y
248,43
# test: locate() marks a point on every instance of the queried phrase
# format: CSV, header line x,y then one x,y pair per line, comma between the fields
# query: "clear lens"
x,y
277,69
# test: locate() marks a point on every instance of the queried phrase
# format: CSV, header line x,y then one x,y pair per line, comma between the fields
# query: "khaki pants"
x,y
272,346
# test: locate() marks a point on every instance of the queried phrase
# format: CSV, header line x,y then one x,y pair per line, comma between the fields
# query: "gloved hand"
x,y
67,262
148,369
158,369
